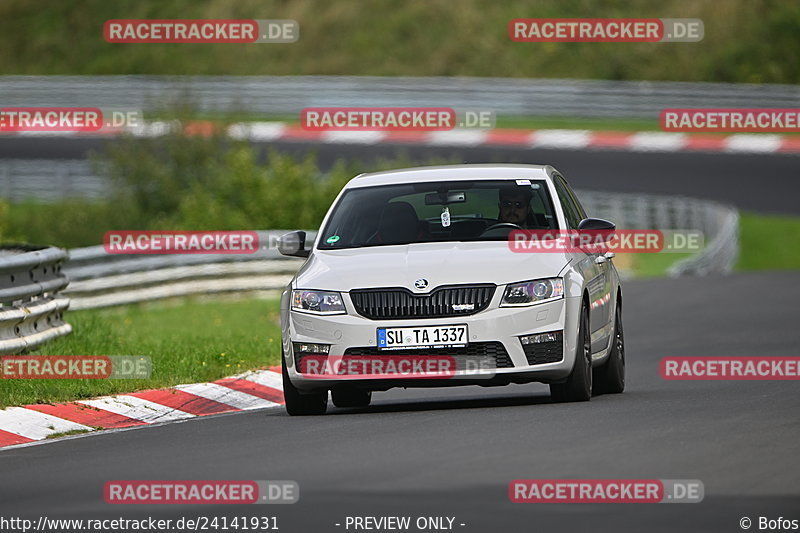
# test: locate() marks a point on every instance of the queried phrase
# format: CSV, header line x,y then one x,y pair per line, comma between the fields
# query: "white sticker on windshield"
x,y
523,182
445,217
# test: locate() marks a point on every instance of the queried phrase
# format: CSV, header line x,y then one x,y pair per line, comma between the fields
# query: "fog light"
x,y
305,347
552,336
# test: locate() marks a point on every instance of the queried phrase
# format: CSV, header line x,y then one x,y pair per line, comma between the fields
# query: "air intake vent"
x,y
401,303
493,350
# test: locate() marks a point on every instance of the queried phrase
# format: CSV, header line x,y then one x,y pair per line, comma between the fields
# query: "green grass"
x,y
189,341
575,123
745,40
82,222
766,242
655,265
527,123
68,433
769,242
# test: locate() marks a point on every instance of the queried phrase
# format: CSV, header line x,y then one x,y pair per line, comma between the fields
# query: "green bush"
x,y
204,183
189,182
69,223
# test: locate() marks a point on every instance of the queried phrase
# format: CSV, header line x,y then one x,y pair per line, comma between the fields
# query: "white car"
x,y
416,265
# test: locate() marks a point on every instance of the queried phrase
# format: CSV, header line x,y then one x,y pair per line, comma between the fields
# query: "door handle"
x,y
600,259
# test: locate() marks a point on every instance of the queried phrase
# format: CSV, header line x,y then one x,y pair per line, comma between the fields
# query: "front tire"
x,y
578,387
610,378
301,404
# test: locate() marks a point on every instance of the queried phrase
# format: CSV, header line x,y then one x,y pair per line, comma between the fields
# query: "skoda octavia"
x,y
412,281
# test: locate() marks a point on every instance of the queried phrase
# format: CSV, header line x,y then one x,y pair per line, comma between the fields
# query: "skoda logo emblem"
x,y
421,283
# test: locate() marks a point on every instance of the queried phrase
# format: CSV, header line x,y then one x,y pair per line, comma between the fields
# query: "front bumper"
x,y
348,332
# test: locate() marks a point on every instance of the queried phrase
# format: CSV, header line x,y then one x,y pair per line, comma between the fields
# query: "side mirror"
x,y
597,230
596,224
293,244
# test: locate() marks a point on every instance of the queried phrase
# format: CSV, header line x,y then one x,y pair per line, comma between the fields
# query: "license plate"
x,y
422,337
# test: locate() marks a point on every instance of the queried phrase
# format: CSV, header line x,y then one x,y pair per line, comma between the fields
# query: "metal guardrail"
x,y
718,222
99,279
50,180
721,253
282,95
31,308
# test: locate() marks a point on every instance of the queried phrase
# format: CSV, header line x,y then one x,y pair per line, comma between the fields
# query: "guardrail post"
x,y
31,308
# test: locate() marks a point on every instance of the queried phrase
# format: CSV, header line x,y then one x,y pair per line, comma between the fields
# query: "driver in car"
x,y
515,207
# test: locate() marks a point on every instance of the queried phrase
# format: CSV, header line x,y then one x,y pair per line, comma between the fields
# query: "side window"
x,y
572,212
581,210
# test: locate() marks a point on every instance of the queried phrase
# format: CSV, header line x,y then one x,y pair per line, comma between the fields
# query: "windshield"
x,y
437,212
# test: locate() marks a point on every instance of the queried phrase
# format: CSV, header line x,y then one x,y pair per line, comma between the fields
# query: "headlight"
x,y
321,302
533,292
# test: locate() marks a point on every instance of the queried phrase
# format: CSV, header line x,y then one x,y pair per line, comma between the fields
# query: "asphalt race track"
x,y
452,452
755,182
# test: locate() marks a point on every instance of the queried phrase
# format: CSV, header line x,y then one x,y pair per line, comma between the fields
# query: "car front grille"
x,y
493,351
401,303
545,352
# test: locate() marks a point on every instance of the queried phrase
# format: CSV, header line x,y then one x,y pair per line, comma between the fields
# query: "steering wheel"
x,y
501,225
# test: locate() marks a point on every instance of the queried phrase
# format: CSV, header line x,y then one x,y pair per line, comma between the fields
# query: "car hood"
x,y
451,263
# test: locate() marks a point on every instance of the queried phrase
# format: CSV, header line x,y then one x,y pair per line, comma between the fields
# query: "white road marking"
x,y
257,131
264,377
353,137
33,424
744,142
657,141
561,138
137,408
462,137
234,398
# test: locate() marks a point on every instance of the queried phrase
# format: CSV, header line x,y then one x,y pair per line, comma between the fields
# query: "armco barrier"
x,y
718,222
283,95
32,308
100,279
721,253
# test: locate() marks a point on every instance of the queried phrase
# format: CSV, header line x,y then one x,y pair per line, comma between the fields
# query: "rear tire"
x,y
351,397
578,387
610,378
301,404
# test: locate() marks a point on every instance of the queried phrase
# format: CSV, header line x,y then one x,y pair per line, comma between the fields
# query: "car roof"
x,y
450,173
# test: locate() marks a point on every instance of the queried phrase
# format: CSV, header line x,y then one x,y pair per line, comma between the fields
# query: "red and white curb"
x,y
259,389
645,141
556,139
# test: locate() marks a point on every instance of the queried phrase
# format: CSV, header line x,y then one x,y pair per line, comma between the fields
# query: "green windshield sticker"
x,y
332,239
